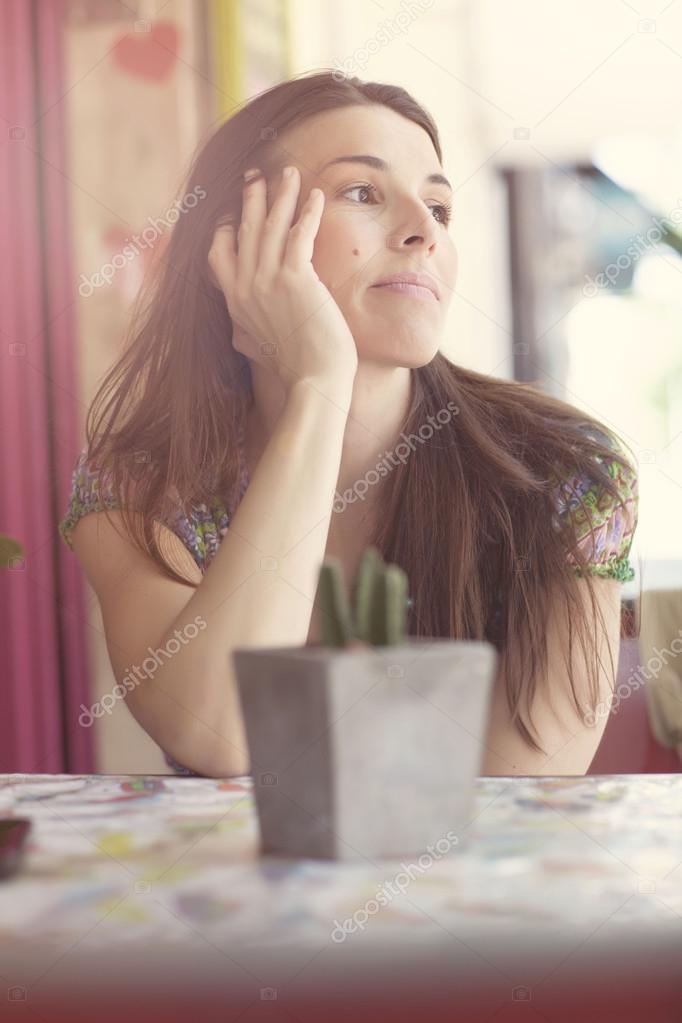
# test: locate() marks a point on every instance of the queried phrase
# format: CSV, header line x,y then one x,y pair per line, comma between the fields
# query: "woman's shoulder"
x,y
602,520
200,526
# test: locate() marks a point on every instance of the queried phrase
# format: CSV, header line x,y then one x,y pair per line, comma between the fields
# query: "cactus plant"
x,y
336,621
378,615
332,725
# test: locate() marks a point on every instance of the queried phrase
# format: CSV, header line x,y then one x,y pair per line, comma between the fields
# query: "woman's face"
x,y
376,222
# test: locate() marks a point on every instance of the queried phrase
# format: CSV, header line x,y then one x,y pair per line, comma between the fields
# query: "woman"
x,y
277,403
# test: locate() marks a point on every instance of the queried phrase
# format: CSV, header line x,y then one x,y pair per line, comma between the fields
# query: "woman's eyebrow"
x,y
379,164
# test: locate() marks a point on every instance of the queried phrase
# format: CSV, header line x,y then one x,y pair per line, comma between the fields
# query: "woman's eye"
x,y
358,188
445,208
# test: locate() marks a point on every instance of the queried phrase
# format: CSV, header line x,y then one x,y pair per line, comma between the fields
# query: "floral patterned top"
x,y
204,529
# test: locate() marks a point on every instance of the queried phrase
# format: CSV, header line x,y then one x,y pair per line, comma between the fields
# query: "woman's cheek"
x,y
333,254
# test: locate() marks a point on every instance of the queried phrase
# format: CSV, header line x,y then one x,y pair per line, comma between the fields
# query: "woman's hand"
x,y
284,317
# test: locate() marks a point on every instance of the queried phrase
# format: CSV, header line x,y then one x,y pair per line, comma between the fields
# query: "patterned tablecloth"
x,y
144,862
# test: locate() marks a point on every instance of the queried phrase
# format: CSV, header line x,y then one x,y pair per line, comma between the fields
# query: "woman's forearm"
x,y
259,589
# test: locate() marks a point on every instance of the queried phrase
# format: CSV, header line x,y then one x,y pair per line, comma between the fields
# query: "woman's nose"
x,y
419,230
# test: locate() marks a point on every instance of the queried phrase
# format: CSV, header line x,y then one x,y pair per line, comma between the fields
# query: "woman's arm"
x,y
570,742
258,590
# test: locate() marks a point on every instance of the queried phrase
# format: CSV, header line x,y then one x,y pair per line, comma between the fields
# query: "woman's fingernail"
x,y
250,174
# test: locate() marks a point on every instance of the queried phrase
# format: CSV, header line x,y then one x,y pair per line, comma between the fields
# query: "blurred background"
x,y
562,133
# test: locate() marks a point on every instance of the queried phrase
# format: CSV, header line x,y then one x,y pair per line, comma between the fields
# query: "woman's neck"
x,y
379,405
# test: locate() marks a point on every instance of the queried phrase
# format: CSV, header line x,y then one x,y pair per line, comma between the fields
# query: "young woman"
x,y
280,399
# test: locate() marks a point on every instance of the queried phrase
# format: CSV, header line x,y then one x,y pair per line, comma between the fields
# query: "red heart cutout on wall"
x,y
150,55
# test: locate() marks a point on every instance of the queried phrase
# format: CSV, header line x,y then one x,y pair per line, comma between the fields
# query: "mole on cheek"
x,y
355,252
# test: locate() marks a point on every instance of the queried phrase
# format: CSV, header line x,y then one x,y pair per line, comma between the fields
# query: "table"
x,y
563,899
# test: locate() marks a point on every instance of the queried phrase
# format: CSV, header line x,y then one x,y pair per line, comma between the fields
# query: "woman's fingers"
x,y
254,210
276,227
222,258
264,240
301,241
280,304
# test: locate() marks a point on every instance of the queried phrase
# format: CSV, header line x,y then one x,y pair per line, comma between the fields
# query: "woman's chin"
x,y
408,352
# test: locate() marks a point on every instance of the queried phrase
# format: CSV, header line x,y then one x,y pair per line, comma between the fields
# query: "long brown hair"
x,y
470,516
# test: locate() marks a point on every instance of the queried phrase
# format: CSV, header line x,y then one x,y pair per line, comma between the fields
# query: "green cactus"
x,y
367,576
378,616
337,627
393,594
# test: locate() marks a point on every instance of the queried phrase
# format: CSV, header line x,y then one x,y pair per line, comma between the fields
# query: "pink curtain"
x,y
43,662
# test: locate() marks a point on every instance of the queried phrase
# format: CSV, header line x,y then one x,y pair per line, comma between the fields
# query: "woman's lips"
x,y
415,290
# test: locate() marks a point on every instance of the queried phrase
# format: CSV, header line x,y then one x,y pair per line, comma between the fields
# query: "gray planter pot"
x,y
366,753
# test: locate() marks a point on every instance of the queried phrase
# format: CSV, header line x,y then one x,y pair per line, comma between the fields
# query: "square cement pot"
x,y
365,754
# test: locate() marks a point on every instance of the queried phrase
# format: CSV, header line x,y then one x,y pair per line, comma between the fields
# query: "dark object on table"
x,y
13,834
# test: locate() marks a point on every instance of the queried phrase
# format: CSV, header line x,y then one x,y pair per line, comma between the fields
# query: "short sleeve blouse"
x,y
202,531
604,527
